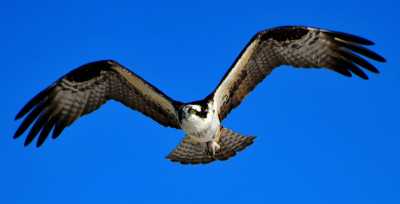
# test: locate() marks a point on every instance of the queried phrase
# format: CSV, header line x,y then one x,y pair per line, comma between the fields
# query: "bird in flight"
x,y
86,88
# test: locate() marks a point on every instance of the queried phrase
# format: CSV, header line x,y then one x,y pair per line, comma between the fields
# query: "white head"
x,y
193,112
195,118
199,118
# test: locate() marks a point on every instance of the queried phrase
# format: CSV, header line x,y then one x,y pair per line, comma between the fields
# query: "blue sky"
x,y
322,138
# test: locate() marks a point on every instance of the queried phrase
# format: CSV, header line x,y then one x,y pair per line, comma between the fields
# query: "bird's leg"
x,y
212,147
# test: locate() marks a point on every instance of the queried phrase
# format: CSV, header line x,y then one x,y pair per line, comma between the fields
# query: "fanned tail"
x,y
191,152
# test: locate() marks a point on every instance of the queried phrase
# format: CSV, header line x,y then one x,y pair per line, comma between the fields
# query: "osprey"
x,y
86,88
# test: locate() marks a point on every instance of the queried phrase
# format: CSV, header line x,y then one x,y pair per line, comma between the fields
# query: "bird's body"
x,y
203,128
86,88
201,124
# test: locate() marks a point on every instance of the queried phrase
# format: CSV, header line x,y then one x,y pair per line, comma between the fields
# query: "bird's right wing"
x,y
84,90
298,46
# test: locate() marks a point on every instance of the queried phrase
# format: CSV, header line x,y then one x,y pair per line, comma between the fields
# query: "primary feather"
x,y
84,90
298,46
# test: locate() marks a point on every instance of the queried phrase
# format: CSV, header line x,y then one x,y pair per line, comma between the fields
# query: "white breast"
x,y
202,129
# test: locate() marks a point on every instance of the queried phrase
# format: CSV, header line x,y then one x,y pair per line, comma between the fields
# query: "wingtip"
x,y
251,138
15,136
379,58
361,50
383,60
27,143
18,116
351,38
17,133
356,44
38,145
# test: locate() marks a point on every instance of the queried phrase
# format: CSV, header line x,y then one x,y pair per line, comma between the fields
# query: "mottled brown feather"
x,y
84,90
298,46
190,152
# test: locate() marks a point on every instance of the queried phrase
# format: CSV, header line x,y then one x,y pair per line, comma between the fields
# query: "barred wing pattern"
x,y
83,91
298,46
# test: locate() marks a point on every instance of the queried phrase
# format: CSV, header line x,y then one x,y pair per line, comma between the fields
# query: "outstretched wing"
x,y
301,47
84,90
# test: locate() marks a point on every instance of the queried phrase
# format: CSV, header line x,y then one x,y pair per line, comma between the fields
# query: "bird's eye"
x,y
192,111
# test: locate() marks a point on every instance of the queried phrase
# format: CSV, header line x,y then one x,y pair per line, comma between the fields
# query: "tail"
x,y
191,152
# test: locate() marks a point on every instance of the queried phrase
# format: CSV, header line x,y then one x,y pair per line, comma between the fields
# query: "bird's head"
x,y
193,112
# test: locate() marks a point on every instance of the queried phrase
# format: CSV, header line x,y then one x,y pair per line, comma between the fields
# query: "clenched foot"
x,y
212,147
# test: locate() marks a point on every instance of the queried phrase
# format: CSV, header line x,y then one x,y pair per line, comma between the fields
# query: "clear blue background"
x,y
322,138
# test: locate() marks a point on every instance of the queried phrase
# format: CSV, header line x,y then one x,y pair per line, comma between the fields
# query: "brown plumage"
x,y
298,46
190,152
84,90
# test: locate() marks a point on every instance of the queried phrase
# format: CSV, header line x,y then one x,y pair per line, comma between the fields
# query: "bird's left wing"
x,y
298,46
84,90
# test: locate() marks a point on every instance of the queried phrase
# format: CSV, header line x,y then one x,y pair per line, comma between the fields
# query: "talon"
x,y
213,147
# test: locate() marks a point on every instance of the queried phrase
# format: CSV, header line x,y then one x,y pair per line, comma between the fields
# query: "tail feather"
x,y
191,152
